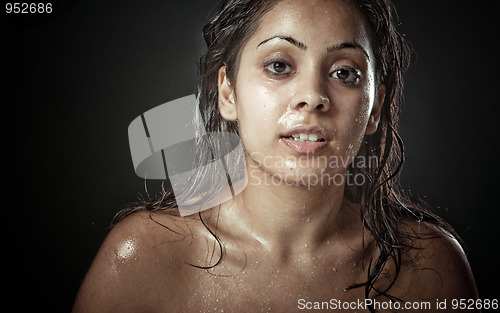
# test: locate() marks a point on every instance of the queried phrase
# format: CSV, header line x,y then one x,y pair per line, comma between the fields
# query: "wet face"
x,y
305,93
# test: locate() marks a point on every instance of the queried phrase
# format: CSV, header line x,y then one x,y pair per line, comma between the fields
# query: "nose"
x,y
310,95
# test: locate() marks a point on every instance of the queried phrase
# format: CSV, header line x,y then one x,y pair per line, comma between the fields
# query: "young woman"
x,y
313,90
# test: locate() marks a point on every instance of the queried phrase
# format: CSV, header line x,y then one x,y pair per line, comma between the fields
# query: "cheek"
x,y
351,111
258,110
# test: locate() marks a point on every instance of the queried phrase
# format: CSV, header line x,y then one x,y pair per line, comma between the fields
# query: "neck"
x,y
287,220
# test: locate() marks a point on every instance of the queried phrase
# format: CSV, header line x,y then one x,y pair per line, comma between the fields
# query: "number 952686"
x,y
27,8
474,304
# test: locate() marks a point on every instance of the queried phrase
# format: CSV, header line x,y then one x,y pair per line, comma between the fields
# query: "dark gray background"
x,y
75,79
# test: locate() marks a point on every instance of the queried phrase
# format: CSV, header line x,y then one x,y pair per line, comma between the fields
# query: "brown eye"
x,y
347,75
342,74
278,68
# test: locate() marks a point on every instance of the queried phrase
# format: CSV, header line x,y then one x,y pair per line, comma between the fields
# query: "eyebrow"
x,y
291,40
302,46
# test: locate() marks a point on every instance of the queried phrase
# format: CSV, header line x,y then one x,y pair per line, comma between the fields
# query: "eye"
x,y
278,68
346,74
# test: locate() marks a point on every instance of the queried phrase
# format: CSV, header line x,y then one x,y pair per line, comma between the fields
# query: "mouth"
x,y
304,137
305,140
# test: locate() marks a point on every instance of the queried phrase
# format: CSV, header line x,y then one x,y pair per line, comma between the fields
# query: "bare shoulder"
x,y
436,267
139,258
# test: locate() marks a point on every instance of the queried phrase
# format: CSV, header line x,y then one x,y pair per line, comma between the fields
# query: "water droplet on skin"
x,y
291,119
127,249
334,269
290,164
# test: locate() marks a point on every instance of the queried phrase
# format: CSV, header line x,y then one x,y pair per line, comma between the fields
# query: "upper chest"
x,y
266,287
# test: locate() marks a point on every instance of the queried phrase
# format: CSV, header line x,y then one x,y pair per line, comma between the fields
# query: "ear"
x,y
227,103
376,110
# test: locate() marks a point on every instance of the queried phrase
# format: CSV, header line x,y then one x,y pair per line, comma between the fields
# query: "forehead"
x,y
317,23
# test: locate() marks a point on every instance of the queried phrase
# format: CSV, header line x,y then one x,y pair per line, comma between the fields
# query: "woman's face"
x,y
305,91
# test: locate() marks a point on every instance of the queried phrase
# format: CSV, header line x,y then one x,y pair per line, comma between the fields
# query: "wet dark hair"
x,y
384,207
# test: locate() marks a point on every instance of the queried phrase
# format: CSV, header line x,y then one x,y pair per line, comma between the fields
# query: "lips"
x,y
305,139
304,134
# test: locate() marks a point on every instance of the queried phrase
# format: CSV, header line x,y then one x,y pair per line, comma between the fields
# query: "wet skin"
x,y
289,241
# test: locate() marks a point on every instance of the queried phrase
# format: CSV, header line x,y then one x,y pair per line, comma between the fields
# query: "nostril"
x,y
313,107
